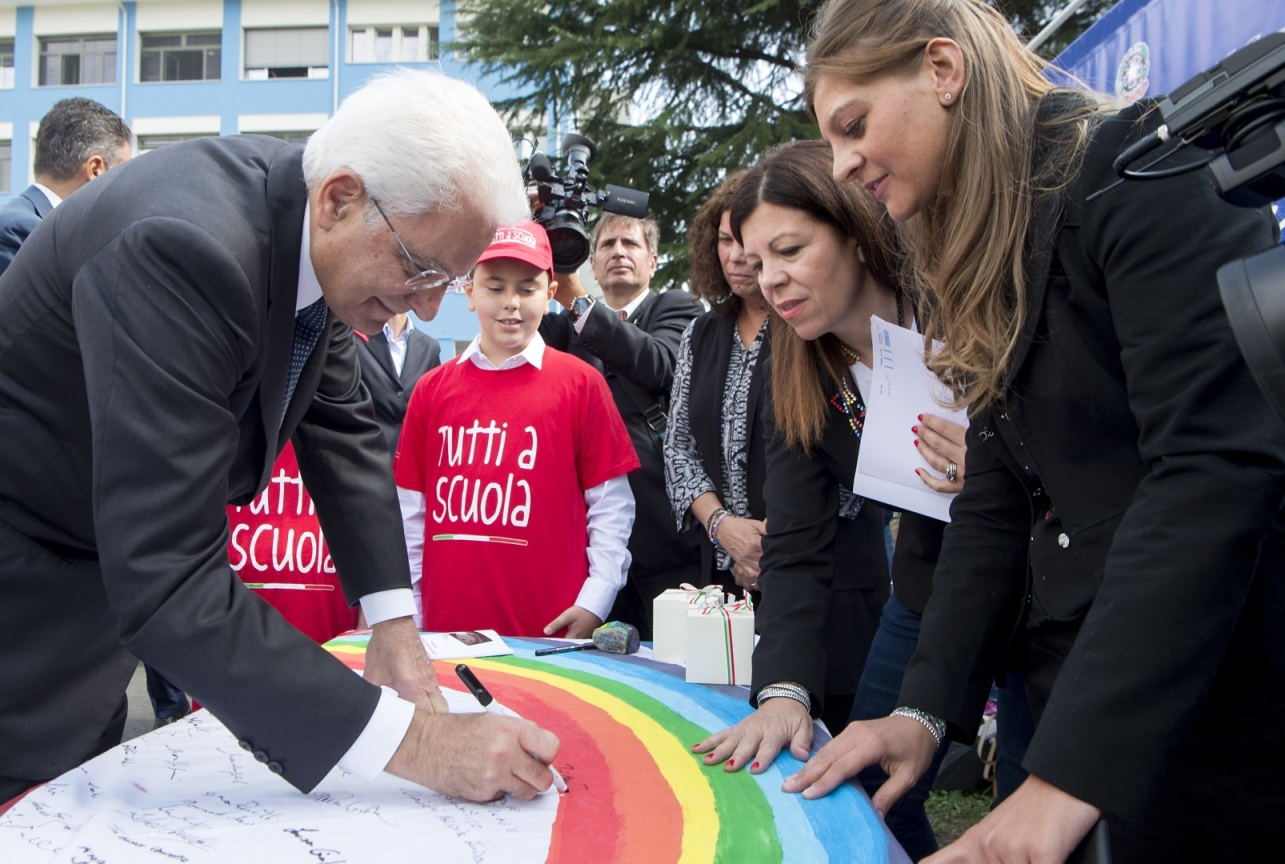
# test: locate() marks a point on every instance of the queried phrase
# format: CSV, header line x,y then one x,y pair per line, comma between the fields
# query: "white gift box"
x,y
720,643
669,619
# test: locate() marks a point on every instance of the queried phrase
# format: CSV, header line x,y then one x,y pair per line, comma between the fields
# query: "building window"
x,y
295,53
409,43
6,164
180,56
67,60
6,65
148,143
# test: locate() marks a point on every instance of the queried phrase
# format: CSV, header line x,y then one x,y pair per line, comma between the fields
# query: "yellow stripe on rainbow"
x,y
680,770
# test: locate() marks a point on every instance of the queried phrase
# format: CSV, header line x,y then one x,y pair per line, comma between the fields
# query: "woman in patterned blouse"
x,y
714,449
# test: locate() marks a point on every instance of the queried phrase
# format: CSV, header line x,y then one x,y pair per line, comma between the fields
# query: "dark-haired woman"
x,y
1120,539
826,258
714,450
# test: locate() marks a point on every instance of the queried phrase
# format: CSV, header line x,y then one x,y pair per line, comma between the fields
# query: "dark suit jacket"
x,y
389,391
639,352
711,344
146,330
1131,420
824,578
18,219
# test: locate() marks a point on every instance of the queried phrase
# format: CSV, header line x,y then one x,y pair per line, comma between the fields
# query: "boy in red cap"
x,y
511,467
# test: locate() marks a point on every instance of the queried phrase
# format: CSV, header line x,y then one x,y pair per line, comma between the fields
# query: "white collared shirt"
x,y
610,514
533,353
54,198
397,345
387,726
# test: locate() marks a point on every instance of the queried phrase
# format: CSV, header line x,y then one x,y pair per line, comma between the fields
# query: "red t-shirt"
x,y
276,546
503,459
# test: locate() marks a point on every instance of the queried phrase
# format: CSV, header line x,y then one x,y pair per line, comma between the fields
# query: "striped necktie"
x,y
308,322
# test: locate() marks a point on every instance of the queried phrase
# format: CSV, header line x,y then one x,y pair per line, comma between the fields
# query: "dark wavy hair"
x,y
707,281
800,176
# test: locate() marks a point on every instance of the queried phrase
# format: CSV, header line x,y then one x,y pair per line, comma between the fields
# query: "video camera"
x,y
561,204
1235,111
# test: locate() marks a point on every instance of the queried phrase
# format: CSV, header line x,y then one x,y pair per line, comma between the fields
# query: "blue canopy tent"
x,y
1143,48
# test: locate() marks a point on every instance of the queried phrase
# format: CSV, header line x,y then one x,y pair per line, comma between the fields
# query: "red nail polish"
x,y
731,763
916,442
914,429
754,767
921,418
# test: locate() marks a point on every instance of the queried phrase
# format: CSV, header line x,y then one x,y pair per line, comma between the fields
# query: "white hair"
x,y
422,142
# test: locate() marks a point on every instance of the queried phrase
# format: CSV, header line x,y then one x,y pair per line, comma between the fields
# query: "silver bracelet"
x,y
785,690
931,723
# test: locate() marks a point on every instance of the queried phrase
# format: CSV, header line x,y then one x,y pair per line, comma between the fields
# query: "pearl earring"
x,y
947,97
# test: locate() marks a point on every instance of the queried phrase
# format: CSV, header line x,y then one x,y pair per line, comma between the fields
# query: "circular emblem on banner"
x,y
1131,76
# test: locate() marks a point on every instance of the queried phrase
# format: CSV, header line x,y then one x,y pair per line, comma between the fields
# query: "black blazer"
x,y
824,578
146,331
1129,487
389,391
637,357
18,219
711,344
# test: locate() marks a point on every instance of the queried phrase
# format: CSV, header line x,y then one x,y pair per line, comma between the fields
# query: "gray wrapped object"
x,y
616,637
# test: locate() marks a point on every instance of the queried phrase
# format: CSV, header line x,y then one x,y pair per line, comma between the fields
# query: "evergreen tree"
x,y
676,93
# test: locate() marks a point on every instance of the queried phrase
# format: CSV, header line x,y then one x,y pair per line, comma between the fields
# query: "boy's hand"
x,y
580,623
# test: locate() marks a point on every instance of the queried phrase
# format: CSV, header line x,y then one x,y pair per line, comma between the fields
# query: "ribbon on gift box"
x,y
729,648
710,595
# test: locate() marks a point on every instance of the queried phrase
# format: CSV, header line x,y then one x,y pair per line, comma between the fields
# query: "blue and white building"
x,y
179,69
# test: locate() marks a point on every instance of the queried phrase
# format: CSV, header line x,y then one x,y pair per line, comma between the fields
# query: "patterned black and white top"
x,y
685,477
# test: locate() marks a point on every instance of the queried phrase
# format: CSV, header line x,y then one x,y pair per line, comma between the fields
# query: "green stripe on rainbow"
x,y
730,807
638,793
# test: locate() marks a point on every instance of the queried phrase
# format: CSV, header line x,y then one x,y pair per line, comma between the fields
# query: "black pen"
x,y
487,701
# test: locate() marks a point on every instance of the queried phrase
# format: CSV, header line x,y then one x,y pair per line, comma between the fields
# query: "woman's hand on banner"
x,y
758,739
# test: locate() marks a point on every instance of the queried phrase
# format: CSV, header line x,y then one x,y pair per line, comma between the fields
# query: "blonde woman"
x,y
1119,537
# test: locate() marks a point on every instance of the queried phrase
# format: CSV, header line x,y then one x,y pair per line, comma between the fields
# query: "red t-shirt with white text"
x,y
503,459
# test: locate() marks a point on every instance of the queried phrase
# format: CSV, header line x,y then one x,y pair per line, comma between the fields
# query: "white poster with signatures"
x,y
188,793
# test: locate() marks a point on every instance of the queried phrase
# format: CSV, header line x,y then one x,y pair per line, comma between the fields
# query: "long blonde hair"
x,y
969,245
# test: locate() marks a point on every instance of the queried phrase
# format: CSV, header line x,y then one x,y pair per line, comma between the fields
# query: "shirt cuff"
x,y
386,605
584,319
597,595
377,743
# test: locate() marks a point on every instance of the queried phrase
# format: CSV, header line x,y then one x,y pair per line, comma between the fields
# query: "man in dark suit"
x,y
78,140
165,332
632,336
391,361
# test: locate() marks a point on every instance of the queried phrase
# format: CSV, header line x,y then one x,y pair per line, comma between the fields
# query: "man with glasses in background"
x,y
196,311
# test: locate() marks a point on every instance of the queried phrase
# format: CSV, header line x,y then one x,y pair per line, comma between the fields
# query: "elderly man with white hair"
x,y
163,334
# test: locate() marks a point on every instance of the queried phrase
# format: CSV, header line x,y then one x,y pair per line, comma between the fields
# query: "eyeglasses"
x,y
423,280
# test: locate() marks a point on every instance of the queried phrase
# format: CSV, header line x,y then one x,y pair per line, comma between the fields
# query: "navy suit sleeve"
x,y
344,461
15,227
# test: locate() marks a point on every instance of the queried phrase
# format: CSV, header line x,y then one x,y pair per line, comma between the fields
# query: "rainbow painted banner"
x,y
637,792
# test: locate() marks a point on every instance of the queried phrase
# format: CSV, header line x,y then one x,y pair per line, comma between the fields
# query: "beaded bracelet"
x,y
711,527
785,690
929,722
